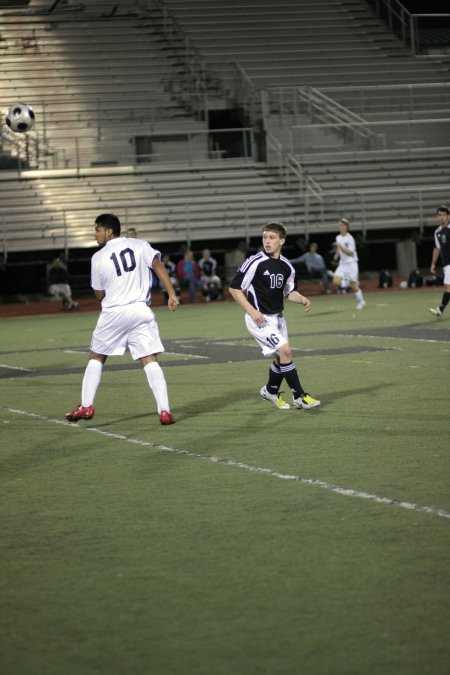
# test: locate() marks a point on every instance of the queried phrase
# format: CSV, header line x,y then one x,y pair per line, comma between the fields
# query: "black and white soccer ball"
x,y
20,118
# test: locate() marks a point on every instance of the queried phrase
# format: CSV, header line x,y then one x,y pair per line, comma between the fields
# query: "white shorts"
x,y
347,271
271,335
446,271
56,289
131,326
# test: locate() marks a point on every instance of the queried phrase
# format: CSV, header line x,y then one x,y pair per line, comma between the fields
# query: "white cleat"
x,y
275,399
306,402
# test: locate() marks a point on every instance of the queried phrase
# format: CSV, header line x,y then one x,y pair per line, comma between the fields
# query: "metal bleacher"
x,y
319,43
164,205
122,93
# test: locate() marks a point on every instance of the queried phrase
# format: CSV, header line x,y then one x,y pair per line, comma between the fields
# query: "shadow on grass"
x,y
331,397
200,406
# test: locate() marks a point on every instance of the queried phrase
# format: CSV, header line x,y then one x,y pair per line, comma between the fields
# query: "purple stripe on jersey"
x,y
246,264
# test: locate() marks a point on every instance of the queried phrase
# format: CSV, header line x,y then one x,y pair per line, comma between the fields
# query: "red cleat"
x,y
166,417
80,413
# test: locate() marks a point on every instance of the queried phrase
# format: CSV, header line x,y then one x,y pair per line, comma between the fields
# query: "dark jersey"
x,y
57,275
442,241
207,266
266,281
170,267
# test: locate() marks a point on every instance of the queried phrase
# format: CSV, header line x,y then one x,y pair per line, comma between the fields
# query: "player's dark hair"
x,y
275,226
109,221
443,208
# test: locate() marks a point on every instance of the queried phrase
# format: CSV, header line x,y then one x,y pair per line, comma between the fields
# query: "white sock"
x,y
359,296
91,380
157,382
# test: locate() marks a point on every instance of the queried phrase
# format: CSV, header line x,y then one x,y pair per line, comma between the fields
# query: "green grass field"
x,y
242,540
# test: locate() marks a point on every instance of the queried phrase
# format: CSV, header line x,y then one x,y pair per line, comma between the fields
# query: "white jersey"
x,y
347,241
122,270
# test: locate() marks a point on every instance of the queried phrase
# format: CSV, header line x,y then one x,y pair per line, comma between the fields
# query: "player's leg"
x,y
269,337
354,285
438,311
325,279
145,344
337,280
109,338
289,371
91,380
158,385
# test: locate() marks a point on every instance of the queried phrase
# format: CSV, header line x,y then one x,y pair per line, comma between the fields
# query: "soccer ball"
x,y
20,118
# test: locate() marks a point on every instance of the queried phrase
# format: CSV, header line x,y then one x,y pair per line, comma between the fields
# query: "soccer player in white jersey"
x,y
347,269
260,286
120,279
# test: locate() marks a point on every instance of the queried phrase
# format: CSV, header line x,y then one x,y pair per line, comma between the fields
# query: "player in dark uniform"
x,y
442,248
212,285
260,286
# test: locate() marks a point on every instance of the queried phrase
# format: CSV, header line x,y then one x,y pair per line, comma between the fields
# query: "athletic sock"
x,y
289,372
91,380
275,378
158,385
359,296
445,301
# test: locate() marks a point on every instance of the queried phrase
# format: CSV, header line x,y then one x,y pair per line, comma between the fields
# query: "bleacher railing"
x,y
21,149
407,100
321,109
368,209
400,21
409,26
311,139
199,78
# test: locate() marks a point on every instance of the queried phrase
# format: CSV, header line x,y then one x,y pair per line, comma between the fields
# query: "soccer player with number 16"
x,y
259,287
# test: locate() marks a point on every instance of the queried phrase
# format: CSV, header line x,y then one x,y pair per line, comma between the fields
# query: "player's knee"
x,y
285,353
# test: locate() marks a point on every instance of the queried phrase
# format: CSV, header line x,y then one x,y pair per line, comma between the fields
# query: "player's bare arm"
x,y
240,298
99,295
434,259
345,250
164,278
299,299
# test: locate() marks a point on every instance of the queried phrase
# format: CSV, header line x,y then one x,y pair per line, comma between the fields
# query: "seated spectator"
x,y
315,264
171,271
188,274
211,282
58,284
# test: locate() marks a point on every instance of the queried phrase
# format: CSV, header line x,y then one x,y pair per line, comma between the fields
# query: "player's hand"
x,y
173,303
258,318
307,304
433,269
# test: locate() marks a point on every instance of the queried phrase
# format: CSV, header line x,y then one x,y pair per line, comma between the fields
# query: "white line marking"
x,y
28,370
346,492
186,356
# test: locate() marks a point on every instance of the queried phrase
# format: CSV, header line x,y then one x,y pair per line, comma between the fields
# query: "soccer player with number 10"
x,y
120,277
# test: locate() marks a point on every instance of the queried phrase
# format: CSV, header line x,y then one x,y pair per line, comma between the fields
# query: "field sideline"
x,y
242,540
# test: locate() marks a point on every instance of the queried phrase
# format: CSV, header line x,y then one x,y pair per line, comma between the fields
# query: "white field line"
x,y
346,492
28,370
185,355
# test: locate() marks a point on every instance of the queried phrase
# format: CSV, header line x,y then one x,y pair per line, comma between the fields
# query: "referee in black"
x,y
442,248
